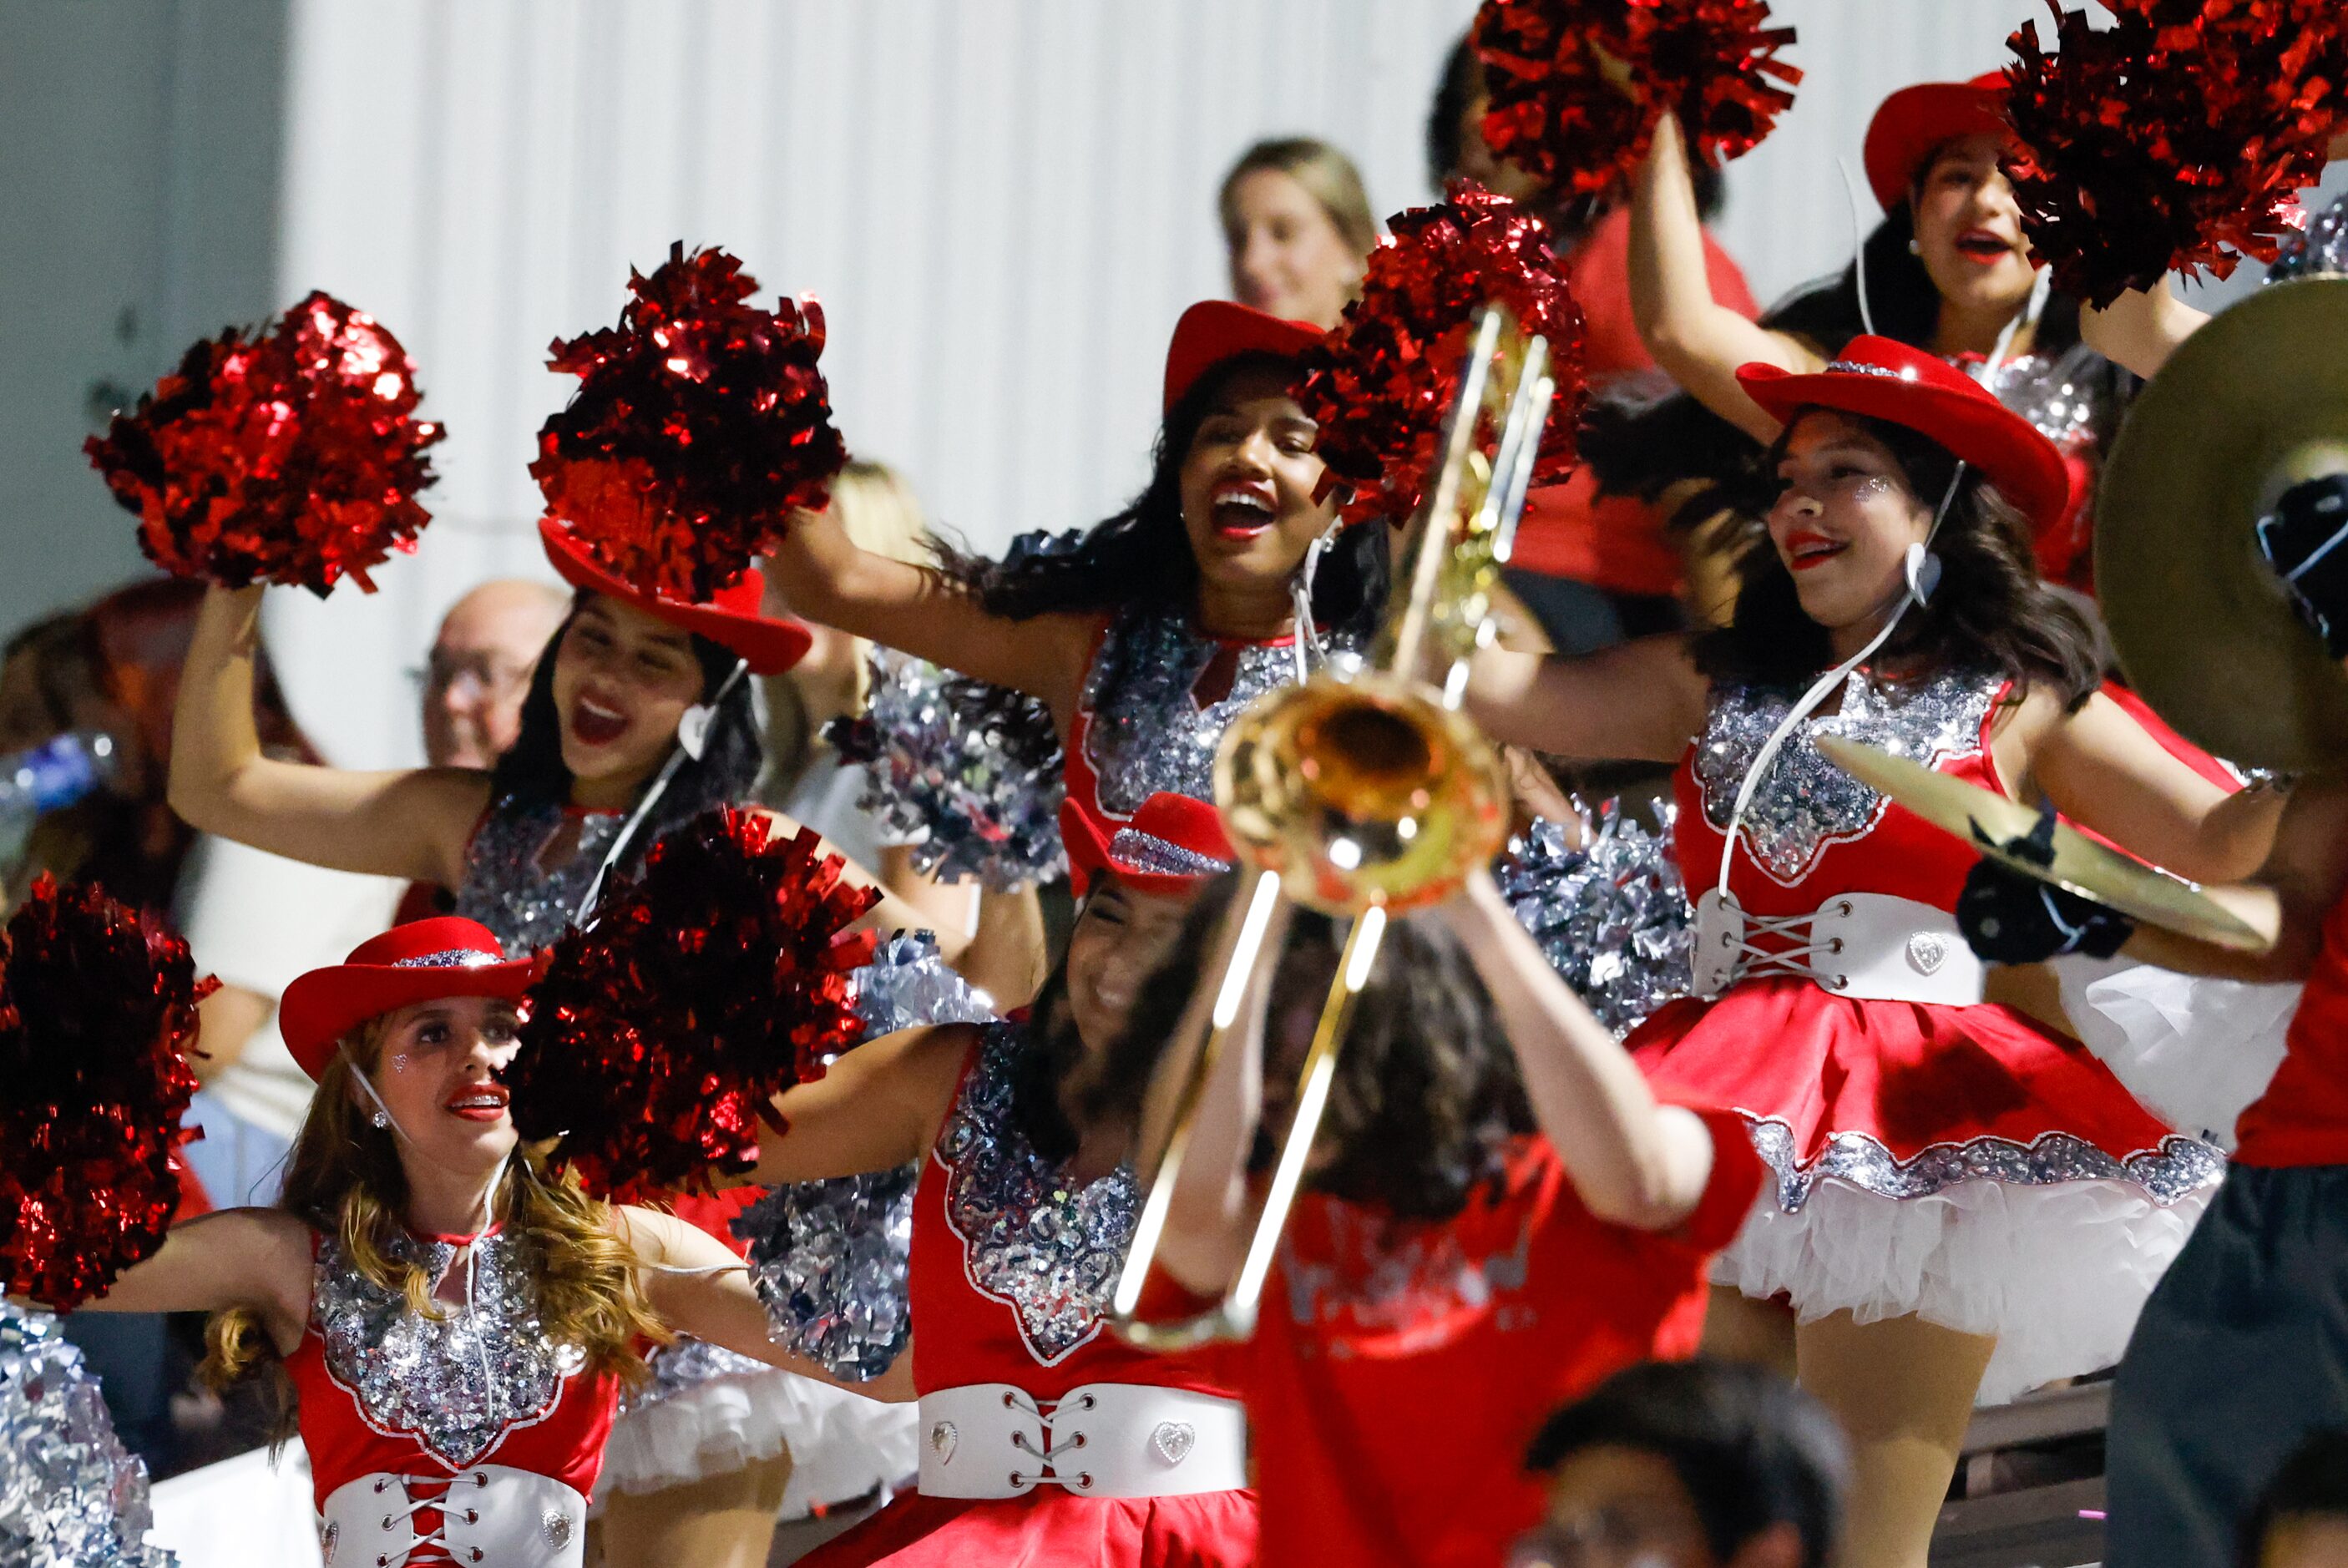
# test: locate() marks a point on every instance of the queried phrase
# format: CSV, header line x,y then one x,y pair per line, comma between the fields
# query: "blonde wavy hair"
x,y
344,1178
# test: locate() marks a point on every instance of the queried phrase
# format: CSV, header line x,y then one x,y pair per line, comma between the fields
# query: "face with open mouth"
x,y
1247,482
621,680
1968,229
1120,937
1843,517
434,1069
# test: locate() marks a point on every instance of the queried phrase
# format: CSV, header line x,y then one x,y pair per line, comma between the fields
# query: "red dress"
x,y
1955,1161
1012,1269
409,1411
1401,1367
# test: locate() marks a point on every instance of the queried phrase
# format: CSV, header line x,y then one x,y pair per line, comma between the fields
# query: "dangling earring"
x,y
379,1120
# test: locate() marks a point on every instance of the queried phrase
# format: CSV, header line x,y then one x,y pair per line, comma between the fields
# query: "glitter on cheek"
x,y
401,1062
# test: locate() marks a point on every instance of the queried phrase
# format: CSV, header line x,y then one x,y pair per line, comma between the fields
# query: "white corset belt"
x,y
1100,1440
490,1515
1866,945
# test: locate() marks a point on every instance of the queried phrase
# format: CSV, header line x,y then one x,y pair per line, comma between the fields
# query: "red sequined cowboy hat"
x,y
1882,379
1215,330
1915,122
1173,845
770,644
420,962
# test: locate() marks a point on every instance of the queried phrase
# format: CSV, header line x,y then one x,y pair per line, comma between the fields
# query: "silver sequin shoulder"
x,y
456,1383
1048,1250
529,906
1145,730
1806,803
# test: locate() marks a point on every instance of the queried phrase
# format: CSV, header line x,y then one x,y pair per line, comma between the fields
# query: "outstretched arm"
x,y
255,1258
879,1106
1642,700
916,610
1696,339
2293,894
700,1288
411,823
1634,1162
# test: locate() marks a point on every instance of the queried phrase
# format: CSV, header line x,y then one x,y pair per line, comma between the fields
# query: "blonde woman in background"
x,y
1299,228
994,940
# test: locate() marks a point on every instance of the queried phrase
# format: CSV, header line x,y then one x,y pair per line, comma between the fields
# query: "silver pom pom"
x,y
69,1491
2320,249
829,1259
1611,917
966,772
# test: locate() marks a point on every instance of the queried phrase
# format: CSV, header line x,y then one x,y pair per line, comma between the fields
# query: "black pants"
x,y
2241,1353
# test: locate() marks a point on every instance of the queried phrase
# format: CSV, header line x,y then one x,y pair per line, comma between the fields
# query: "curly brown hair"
x,y
1991,609
1426,1098
345,1177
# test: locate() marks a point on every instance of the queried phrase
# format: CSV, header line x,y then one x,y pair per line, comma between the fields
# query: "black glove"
x,y
2305,539
2010,917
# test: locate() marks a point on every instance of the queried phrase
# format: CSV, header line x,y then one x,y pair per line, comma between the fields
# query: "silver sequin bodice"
x,y
507,889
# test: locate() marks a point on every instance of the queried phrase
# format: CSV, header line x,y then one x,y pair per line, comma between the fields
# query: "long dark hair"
x,y
533,771
1990,608
1427,1096
1140,558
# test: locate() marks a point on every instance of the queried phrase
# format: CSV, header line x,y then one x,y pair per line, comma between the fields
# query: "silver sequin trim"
x,y
453,958
1049,1251
2065,396
1145,732
456,1383
2177,1168
685,1364
528,905
1150,854
2320,249
1858,367
1806,803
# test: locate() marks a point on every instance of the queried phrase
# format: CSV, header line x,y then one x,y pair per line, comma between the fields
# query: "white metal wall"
x,y
1002,204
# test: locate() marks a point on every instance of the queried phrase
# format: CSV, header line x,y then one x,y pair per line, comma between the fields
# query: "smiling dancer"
x,y
456,1323
1966,1204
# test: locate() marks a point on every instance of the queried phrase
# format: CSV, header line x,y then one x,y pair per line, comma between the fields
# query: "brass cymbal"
x,y
2081,866
2254,401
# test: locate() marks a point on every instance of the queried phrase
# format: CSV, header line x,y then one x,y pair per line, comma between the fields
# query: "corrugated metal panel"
x,y
1002,205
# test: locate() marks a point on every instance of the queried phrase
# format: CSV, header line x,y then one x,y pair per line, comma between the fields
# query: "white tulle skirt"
x,y
2057,1272
2196,1051
707,1411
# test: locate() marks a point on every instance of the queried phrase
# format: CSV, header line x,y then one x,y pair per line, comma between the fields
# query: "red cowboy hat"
x,y
1913,123
1887,380
420,962
1215,330
1171,845
731,620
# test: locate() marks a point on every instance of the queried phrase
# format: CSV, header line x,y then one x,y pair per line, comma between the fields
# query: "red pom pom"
x,y
98,1011
2173,140
1381,383
700,425
1576,85
658,1037
290,458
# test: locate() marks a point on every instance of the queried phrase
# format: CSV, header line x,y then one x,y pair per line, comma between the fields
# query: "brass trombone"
x,y
1363,793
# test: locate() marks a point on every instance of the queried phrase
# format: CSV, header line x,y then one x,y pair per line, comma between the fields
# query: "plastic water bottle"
x,y
48,778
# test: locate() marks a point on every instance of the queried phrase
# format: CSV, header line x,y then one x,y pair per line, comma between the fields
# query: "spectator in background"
x,y
1689,1464
113,668
2302,1518
479,668
1299,228
1595,570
